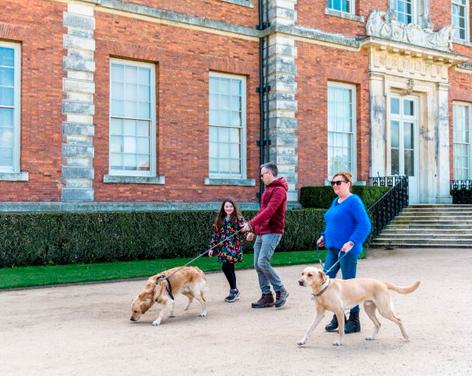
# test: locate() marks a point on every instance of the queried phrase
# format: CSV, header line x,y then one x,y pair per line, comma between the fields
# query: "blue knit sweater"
x,y
346,221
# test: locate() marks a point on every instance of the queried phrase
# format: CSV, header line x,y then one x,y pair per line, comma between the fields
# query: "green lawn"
x,y
59,274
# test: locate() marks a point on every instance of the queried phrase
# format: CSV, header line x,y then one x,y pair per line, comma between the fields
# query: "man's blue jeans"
x,y
264,248
348,266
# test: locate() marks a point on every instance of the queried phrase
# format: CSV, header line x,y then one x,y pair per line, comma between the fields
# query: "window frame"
x,y
153,121
468,107
353,88
466,19
352,10
15,167
243,133
414,11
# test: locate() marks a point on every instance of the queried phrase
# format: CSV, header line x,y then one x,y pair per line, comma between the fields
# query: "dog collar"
x,y
323,288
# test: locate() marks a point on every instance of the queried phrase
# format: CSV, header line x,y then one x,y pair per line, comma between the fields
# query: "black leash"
x,y
169,286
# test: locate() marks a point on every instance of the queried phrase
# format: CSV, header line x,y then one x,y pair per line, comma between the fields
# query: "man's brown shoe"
x,y
266,300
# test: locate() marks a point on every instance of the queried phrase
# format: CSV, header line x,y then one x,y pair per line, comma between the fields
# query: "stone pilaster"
x,y
378,135
443,143
78,106
282,103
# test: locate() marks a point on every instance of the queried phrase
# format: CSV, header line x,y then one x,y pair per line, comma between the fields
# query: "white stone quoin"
x,y
78,103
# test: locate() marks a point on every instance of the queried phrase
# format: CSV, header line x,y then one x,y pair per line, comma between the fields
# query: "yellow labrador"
x,y
189,281
338,295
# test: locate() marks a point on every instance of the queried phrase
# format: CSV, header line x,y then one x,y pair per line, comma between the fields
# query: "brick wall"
x,y
183,58
217,10
37,26
316,67
312,14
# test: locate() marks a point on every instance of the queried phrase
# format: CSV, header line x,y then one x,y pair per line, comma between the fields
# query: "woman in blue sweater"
x,y
347,227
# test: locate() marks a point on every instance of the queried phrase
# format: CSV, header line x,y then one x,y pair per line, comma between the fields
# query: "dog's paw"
x,y
337,343
172,315
203,314
156,322
301,342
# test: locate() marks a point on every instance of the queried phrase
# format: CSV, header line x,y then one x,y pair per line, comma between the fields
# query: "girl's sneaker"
x,y
233,296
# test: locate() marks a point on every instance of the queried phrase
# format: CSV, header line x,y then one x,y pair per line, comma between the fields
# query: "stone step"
x,y
429,226
432,226
436,215
442,220
438,212
420,206
416,245
426,237
401,240
433,208
427,231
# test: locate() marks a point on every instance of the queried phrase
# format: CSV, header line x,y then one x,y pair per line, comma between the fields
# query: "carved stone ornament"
x,y
384,25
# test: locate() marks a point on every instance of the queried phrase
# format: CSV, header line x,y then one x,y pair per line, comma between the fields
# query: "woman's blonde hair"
x,y
347,176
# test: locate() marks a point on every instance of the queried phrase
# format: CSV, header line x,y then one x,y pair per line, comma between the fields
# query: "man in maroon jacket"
x,y
269,225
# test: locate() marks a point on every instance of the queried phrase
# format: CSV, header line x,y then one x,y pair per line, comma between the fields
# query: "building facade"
x,y
113,102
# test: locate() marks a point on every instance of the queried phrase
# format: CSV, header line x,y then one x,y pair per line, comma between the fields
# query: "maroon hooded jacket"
x,y
271,216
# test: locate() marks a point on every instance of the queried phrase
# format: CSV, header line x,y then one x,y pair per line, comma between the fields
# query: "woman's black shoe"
x,y
353,325
333,325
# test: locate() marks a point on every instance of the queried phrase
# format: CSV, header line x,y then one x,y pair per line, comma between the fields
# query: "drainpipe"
x,y
263,88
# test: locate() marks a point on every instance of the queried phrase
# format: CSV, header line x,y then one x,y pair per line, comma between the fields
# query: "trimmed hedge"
x,y
321,197
461,196
68,238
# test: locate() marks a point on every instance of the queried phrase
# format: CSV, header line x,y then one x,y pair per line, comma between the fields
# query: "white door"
x,y
404,141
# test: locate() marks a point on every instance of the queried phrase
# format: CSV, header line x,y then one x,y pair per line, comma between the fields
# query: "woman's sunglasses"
x,y
337,182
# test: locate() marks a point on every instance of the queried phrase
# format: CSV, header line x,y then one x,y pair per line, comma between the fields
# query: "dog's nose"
x,y
132,318
301,282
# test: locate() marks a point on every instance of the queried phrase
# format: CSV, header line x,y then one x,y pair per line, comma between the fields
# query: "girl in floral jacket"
x,y
228,221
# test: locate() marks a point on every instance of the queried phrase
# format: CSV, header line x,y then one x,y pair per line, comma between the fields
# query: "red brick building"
x,y
118,102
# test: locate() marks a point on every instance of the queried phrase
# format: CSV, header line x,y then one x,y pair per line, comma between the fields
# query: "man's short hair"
x,y
272,167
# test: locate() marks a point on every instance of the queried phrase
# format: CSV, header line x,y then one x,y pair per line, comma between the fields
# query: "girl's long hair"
x,y
222,214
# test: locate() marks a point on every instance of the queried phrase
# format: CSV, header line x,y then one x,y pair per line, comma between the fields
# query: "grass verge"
x,y
30,276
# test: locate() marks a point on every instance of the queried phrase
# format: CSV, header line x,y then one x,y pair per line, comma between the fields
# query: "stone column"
x,y
442,125
78,103
378,134
282,103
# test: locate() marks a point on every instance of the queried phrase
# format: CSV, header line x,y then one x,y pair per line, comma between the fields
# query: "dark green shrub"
x,y
321,197
461,196
64,238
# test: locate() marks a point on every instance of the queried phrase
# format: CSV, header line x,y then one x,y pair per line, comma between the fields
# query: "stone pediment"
x,y
383,25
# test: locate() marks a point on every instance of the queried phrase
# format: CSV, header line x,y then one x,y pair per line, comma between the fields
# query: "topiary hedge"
x,y
65,238
321,197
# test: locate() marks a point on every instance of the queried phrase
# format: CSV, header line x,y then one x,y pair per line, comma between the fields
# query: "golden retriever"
x,y
338,295
189,281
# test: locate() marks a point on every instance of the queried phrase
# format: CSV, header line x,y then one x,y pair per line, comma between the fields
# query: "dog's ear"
x,y
322,276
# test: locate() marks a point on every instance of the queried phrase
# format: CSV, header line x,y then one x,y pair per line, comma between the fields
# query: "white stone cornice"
x,y
380,44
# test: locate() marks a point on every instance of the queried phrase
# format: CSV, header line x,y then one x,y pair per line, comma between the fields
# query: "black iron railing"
x,y
461,191
390,204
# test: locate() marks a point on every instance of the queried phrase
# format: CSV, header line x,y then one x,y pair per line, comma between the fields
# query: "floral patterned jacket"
x,y
230,250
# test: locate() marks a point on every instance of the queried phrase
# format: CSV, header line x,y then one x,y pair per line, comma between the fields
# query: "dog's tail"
x,y
403,290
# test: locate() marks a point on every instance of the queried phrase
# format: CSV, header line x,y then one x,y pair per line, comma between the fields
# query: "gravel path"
x,y
85,329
